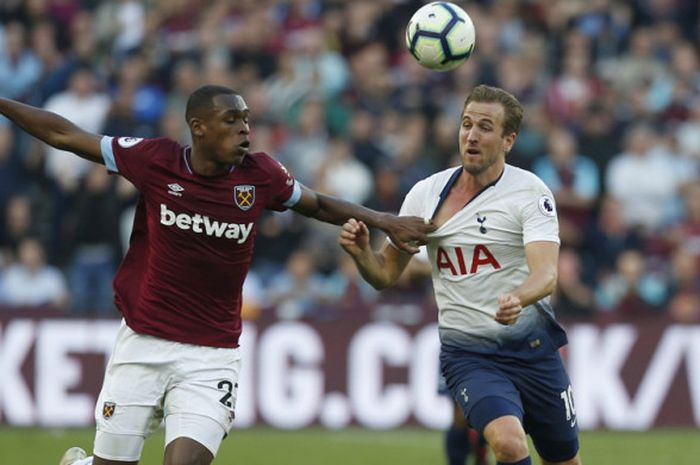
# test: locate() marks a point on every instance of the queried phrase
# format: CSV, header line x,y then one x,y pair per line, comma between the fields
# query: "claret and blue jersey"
x,y
191,232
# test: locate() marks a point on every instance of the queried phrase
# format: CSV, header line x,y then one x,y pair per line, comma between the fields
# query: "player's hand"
x,y
354,237
509,309
409,232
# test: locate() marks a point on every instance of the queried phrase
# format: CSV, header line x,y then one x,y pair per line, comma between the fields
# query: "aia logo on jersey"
x,y
461,261
244,196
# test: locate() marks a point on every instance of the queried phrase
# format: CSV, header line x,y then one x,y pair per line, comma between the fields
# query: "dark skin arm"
x,y
406,232
53,129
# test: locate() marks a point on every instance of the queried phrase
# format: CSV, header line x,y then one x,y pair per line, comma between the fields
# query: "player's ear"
x,y
196,127
509,141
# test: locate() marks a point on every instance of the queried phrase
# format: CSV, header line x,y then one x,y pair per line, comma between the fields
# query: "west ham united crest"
x,y
108,410
244,196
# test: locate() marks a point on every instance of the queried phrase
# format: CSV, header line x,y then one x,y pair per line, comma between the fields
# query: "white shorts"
x,y
149,379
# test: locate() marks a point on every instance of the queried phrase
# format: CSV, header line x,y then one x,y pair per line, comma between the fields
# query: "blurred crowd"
x,y
612,125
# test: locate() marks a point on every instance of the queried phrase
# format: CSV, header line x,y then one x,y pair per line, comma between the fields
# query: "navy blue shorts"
x,y
537,391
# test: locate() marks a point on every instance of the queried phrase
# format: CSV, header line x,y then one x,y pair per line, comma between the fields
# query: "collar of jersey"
x,y
187,159
451,182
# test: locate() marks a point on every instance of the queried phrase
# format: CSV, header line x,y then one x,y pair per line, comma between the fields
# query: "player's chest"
x,y
229,200
481,223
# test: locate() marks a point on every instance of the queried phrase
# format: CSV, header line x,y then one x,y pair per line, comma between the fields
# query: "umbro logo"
x,y
175,189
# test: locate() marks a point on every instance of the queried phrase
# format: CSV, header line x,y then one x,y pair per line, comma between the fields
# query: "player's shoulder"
x,y
436,181
264,162
153,144
518,179
259,159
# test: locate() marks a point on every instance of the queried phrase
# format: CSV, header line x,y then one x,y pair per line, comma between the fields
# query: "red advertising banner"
x,y
375,374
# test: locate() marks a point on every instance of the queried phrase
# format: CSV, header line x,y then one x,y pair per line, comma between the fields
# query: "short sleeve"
x,y
130,156
413,203
539,216
286,191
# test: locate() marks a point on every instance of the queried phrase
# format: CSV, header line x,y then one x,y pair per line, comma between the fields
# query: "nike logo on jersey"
x,y
202,224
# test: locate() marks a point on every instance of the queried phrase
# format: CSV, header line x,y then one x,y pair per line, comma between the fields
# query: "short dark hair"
x,y
201,100
513,110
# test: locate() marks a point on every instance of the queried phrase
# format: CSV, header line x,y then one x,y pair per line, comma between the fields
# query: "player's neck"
x,y
475,182
205,167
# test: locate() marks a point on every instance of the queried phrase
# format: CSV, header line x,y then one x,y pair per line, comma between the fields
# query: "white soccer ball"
x,y
440,36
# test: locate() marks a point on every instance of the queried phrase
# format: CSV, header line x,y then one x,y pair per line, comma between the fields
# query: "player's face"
x,y
482,144
227,130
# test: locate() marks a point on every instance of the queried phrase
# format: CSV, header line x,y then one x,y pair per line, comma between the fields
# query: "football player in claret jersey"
x,y
179,287
494,264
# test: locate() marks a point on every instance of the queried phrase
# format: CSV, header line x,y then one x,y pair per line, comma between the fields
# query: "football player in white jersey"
x,y
494,264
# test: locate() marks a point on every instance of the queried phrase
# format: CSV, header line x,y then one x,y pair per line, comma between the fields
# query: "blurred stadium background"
x,y
612,125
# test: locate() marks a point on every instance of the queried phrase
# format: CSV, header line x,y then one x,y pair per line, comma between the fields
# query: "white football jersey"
x,y
479,253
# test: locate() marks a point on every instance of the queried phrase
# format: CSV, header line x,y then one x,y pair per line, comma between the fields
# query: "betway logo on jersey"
x,y
202,224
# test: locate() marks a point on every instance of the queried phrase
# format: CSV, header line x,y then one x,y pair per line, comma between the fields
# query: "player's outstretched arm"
x,y
381,269
53,129
407,232
542,258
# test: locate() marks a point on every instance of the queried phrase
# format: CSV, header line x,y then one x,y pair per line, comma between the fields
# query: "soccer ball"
x,y
440,36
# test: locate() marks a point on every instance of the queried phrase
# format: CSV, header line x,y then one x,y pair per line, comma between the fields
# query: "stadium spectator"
x,y
599,136
94,244
362,136
19,222
305,148
684,287
686,234
54,76
532,140
688,132
654,203
185,80
342,175
31,282
84,103
572,298
298,290
569,93
632,291
574,180
12,170
120,26
636,66
20,69
347,292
